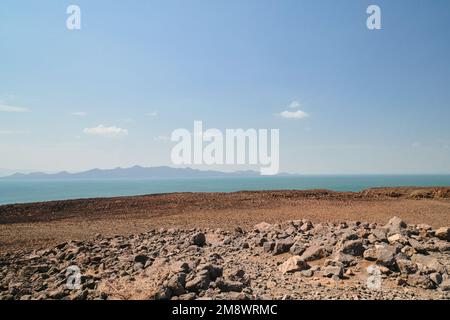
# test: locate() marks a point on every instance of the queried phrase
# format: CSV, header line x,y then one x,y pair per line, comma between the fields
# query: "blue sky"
x,y
377,101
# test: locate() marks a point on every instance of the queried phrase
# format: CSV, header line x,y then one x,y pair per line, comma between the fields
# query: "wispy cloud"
x,y
79,114
152,114
6,108
291,114
298,114
294,105
109,132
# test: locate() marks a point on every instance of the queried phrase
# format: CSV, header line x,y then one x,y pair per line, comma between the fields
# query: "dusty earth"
x,y
37,225
390,243
292,260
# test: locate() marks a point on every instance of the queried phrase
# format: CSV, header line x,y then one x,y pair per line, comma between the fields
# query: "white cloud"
x,y
294,104
299,114
152,114
79,114
109,132
5,108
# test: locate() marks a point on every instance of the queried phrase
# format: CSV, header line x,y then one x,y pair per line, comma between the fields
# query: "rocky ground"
x,y
25,227
290,260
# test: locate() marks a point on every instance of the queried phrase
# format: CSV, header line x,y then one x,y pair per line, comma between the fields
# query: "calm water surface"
x,y
44,190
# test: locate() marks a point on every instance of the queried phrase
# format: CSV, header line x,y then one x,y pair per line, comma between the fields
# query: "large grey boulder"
x,y
395,225
282,246
314,252
384,256
352,247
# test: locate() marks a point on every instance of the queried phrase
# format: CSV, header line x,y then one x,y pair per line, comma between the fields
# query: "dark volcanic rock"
x,y
179,264
314,252
282,246
353,247
199,239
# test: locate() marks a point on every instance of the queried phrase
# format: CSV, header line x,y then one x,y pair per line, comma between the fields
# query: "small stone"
x,y
436,278
442,246
406,266
163,293
384,256
263,227
238,230
268,246
230,286
282,246
307,273
179,266
445,285
384,270
427,264
380,234
353,247
394,238
313,253
138,266
408,251
199,239
238,273
297,249
260,240
293,264
395,225
81,295
42,268
443,233
421,281
212,271
372,239
335,278
417,246
57,294
141,258
176,284
306,226
370,254
349,272
290,230
345,259
200,282
187,296
330,271
423,226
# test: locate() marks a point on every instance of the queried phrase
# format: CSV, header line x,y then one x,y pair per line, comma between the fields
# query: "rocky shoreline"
x,y
290,260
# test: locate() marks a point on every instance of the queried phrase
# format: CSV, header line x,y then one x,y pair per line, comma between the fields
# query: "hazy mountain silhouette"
x,y
136,172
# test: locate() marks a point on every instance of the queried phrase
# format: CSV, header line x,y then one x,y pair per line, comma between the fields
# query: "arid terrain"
x,y
31,226
390,243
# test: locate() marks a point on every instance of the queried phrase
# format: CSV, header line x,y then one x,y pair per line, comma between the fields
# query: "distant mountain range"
x,y
136,172
7,172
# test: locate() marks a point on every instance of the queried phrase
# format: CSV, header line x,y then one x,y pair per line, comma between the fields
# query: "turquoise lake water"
x,y
46,190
